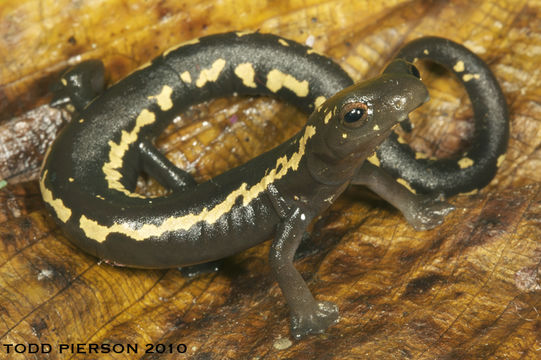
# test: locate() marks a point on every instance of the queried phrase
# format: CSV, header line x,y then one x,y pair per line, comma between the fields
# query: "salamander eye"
x,y
354,114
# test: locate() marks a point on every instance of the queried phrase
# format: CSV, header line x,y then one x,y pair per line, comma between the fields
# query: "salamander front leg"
x,y
308,316
423,212
155,164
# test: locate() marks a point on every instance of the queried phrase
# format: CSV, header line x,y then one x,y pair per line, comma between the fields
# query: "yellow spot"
x,y
64,81
210,215
71,179
118,151
186,77
406,185
283,42
242,33
246,73
426,52
145,65
311,51
376,127
189,42
401,140
465,162
100,197
210,75
344,135
500,160
63,213
277,79
81,121
420,155
373,159
459,66
327,117
319,101
473,192
468,77
164,98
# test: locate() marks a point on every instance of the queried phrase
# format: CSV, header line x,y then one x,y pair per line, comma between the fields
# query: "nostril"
x,y
399,102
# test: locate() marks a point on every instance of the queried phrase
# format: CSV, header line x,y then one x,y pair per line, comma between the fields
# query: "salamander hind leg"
x,y
79,85
155,164
308,316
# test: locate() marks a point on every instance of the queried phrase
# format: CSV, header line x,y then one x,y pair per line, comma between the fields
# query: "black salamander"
x,y
89,175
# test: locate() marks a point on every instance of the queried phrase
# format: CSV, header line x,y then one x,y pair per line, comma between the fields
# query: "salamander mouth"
x,y
407,117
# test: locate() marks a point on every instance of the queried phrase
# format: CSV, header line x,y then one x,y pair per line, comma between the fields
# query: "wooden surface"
x,y
469,289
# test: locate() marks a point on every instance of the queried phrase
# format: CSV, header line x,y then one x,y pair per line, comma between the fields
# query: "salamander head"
x,y
352,123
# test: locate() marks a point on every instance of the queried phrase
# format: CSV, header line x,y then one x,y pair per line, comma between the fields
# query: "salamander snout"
x,y
356,120
369,110
405,90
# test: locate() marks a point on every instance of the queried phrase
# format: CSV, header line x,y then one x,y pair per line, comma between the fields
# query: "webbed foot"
x,y
314,320
427,211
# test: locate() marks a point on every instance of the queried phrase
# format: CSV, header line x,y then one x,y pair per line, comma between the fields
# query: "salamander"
x,y
89,174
